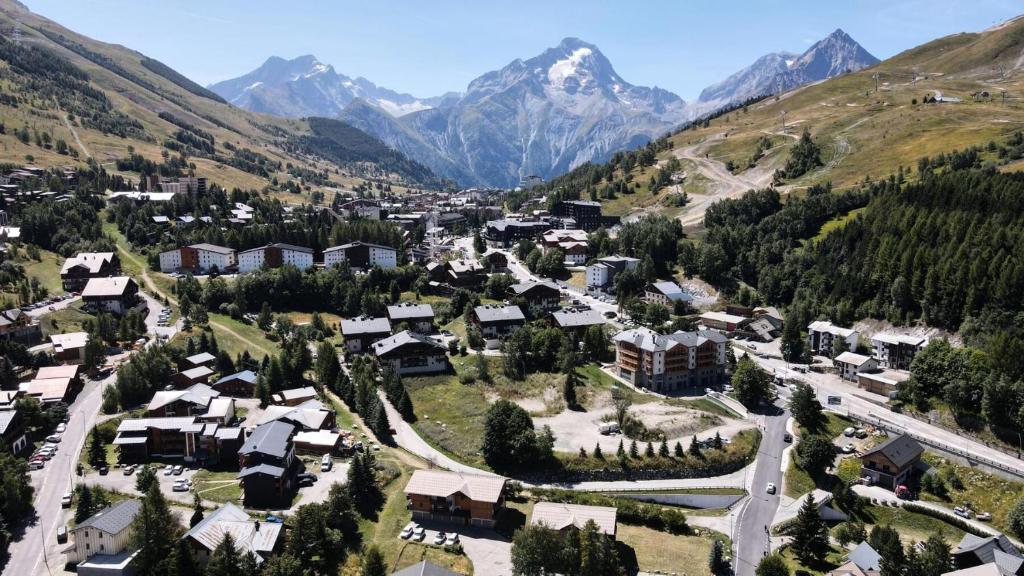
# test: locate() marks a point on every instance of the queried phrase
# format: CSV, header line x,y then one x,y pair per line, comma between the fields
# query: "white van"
x,y
326,463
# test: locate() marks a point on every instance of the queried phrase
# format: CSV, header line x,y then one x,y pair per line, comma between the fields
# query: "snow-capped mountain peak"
x,y
304,86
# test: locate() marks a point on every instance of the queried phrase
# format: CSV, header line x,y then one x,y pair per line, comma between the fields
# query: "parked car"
x,y
65,500
179,487
861,433
962,512
770,488
54,438
787,437
306,477
326,463
36,464
452,540
440,538
849,432
61,428
128,470
103,470
984,516
168,471
178,469
274,519
407,531
62,534
418,534
609,314
848,449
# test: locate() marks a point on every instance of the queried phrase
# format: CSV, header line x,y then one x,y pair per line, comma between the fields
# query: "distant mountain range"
x,y
777,72
542,116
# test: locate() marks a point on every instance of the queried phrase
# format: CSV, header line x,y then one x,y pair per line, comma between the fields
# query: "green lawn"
x,y
912,526
836,223
232,336
46,270
450,415
663,552
983,491
832,561
217,486
69,319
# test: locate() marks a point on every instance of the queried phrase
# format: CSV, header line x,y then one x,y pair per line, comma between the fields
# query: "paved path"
x,y
858,406
751,538
51,482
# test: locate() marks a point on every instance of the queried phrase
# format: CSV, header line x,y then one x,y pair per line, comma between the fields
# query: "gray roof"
x,y
647,339
245,375
201,358
997,549
524,287
270,438
275,471
577,318
495,313
865,557
424,568
113,519
408,310
364,325
213,248
291,247
356,244
403,338
901,450
6,417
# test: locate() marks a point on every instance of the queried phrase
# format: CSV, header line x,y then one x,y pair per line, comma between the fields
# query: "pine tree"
x,y
569,391
182,562
190,347
621,452
634,452
154,531
718,441
225,559
97,454
694,447
405,407
716,558
663,449
84,508
810,534
197,511
597,451
649,451
373,563
678,450
772,565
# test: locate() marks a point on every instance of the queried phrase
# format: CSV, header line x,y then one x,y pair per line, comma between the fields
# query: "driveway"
x,y
490,552
319,490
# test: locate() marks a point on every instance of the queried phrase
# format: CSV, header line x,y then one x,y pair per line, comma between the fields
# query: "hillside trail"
x,y
724,184
74,133
169,298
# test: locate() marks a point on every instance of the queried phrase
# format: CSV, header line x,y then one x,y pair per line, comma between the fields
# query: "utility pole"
x,y
783,114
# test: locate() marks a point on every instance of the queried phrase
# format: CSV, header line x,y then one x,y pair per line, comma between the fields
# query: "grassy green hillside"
x,y
123,101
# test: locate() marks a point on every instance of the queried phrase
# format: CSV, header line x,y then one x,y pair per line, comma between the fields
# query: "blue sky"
x,y
427,48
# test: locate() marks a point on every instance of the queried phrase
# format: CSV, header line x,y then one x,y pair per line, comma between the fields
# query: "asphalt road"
x,y
50,483
751,535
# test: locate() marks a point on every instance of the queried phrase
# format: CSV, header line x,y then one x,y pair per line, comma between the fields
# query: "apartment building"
x,y
275,256
896,351
198,259
666,363
361,255
822,334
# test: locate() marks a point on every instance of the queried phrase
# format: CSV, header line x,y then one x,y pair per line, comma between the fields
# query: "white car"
x,y
407,531
418,534
55,438
770,488
178,469
168,471
440,538
848,449
849,432
452,540
180,486
65,500
61,428
326,463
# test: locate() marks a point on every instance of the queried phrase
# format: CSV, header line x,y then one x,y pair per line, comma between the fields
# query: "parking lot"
x,y
490,553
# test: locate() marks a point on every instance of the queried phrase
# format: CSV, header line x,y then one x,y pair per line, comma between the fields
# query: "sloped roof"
x,y
270,438
199,395
245,376
984,549
559,516
107,287
364,325
310,415
91,261
524,287
865,557
852,358
495,313
442,484
577,318
201,358
408,310
197,372
113,519
356,244
900,450
275,471
403,338
651,341
424,568
6,417
258,537
69,340
213,248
